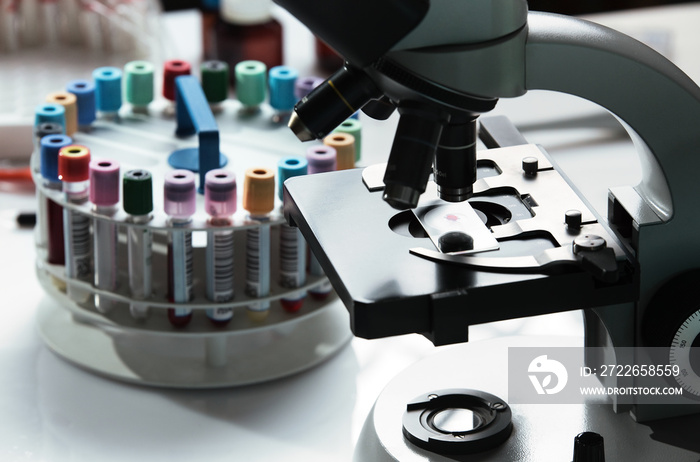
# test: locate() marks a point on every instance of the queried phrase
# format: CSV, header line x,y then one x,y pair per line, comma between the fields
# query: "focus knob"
x,y
589,447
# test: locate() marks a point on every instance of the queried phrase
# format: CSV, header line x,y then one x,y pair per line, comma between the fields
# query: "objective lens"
x,y
329,104
411,156
455,161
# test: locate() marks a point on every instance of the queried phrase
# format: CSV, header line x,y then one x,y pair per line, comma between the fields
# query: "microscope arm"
x,y
652,96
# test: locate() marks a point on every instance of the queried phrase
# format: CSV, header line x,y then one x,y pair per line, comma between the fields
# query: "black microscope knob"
x,y
589,447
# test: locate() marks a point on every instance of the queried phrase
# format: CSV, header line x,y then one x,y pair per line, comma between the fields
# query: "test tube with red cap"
x,y
180,204
137,188
74,172
259,201
321,159
104,195
220,204
292,243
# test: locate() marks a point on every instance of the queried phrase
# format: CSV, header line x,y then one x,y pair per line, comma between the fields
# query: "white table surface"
x,y
53,411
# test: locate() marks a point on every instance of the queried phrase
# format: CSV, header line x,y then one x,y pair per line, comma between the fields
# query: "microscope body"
x,y
451,63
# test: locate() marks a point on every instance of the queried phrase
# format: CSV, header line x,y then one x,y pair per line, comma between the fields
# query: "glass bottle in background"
x,y
246,30
210,16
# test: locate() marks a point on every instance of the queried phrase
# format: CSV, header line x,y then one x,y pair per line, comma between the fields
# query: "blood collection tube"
x,y
108,91
251,85
281,81
259,201
104,195
46,128
171,69
180,204
73,170
321,159
51,213
50,112
344,145
138,85
292,243
304,85
215,82
84,91
220,204
353,127
69,103
138,204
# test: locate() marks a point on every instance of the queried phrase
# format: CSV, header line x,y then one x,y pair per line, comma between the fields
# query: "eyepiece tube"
x,y
329,104
411,156
455,161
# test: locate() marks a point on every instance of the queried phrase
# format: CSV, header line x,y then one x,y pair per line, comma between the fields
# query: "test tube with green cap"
x,y
215,80
137,188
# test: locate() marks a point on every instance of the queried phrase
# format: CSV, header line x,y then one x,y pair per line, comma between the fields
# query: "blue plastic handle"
x,y
194,116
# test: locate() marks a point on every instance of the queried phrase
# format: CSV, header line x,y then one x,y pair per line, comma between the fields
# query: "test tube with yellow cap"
x,y
259,201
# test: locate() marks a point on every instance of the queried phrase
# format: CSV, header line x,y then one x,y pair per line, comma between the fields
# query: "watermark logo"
x,y
541,372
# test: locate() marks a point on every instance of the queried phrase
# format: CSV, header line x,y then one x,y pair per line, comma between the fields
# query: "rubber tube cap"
x,y
74,163
104,182
138,192
259,191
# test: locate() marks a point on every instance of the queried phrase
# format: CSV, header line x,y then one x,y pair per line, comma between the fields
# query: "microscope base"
x,y
540,433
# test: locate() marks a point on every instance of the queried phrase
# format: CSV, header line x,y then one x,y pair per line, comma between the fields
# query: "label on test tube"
x,y
180,203
73,170
258,200
220,204
292,243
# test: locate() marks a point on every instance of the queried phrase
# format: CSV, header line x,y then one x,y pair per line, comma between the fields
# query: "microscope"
x,y
444,236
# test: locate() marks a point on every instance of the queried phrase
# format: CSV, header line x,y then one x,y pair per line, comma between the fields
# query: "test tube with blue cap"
x,y
259,201
282,80
321,159
108,91
137,188
292,243
220,204
73,170
84,91
180,204
104,195
51,212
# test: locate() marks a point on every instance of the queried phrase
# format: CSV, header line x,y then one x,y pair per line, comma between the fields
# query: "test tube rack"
x,y
151,351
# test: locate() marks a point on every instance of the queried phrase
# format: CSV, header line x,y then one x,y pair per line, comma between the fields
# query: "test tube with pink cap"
x,y
220,205
104,195
180,204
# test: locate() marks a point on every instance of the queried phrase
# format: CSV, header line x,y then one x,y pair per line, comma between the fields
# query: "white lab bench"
x,y
52,411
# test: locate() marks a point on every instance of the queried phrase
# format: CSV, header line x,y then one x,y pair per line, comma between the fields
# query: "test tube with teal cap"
x,y
137,188
220,205
321,159
251,85
292,243
259,201
180,204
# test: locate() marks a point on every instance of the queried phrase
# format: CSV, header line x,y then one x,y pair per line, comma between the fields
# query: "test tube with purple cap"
x,y
180,204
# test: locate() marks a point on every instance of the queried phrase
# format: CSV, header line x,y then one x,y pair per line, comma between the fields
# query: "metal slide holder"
x,y
458,57
149,348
